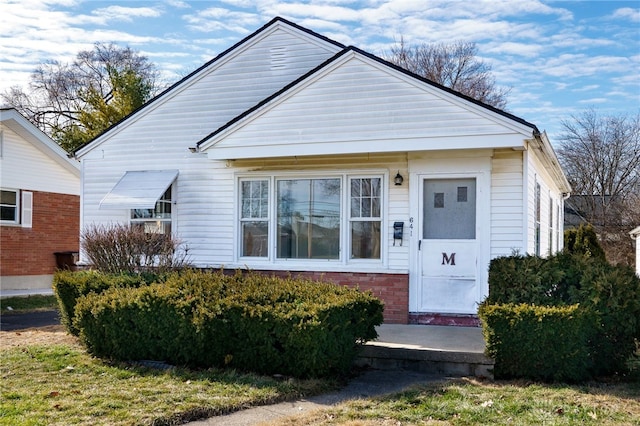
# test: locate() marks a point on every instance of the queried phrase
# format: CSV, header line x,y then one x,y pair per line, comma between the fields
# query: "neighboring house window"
x,y
9,206
16,207
156,220
537,209
254,218
311,217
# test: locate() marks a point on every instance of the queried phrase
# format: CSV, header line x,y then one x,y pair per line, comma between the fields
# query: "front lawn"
x,y
28,303
60,384
472,402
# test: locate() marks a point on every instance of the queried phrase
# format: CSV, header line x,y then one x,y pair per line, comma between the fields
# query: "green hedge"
x,y
68,286
610,294
538,342
250,322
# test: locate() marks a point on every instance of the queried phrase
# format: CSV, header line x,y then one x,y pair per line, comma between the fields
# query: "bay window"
x,y
311,218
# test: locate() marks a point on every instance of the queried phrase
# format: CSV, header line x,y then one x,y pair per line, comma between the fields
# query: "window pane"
x,y
8,197
156,220
365,201
443,216
255,199
365,240
308,218
8,213
255,238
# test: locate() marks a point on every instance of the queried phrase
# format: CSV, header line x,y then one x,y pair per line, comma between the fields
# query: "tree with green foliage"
x,y
583,240
75,102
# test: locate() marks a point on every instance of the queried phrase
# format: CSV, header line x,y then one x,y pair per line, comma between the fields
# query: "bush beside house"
x,y
560,296
251,322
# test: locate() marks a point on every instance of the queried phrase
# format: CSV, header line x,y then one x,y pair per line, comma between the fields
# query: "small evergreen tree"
x,y
583,240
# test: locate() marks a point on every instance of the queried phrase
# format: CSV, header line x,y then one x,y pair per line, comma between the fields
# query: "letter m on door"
x,y
449,259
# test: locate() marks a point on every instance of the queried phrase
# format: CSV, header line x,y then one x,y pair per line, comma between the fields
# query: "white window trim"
x,y
18,207
271,261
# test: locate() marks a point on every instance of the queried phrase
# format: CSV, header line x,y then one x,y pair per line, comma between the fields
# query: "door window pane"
x,y
308,218
449,209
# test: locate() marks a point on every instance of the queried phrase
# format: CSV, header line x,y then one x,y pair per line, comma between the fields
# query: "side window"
x,y
9,206
156,220
365,219
254,218
537,215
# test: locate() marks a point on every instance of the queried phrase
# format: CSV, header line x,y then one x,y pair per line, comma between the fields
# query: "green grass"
x,y
470,402
63,385
28,303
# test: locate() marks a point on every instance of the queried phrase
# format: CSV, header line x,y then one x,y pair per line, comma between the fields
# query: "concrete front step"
x,y
443,350
447,363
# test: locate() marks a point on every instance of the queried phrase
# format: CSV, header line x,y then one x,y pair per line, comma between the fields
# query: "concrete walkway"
x,y
421,344
20,293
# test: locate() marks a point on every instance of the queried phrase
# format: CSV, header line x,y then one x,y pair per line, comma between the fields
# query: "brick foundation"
x,y
392,289
56,228
444,319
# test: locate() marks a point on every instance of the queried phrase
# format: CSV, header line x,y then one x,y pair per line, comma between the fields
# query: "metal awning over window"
x,y
139,189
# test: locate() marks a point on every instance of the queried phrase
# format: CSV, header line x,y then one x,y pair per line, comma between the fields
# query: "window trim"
x,y
16,221
343,259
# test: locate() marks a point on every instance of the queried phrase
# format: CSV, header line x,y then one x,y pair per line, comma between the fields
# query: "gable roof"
x,y
411,109
204,144
275,22
15,121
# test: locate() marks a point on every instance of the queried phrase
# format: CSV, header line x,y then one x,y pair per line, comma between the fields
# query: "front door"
x,y
448,248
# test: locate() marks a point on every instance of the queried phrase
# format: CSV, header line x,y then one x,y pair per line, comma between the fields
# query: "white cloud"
x,y
627,13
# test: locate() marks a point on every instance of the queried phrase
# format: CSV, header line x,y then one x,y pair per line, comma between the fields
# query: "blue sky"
x,y
558,57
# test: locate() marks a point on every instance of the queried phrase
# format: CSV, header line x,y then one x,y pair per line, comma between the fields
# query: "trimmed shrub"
x,y
249,321
609,294
68,286
538,342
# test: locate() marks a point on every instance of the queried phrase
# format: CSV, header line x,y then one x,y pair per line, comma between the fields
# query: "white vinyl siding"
x,y
507,205
359,107
158,138
26,167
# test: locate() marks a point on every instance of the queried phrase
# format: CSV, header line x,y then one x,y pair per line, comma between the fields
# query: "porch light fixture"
x,y
398,179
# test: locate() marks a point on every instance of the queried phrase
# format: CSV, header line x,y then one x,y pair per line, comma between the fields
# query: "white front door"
x,y
448,246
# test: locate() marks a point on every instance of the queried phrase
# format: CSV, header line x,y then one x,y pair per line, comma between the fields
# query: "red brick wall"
x,y
392,289
56,228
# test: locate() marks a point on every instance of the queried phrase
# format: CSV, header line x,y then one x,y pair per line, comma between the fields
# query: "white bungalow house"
x,y
291,153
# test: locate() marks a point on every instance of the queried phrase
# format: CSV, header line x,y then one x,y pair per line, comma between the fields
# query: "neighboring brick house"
x,y
39,205
291,153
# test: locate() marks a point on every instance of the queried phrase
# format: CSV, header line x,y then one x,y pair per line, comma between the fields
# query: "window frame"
x,y
344,254
16,207
172,214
